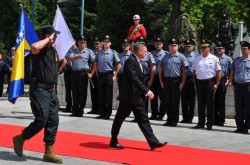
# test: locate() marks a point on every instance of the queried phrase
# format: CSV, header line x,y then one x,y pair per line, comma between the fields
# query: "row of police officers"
x,y
172,76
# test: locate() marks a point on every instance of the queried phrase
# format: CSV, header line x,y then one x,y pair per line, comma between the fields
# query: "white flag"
x,y
64,40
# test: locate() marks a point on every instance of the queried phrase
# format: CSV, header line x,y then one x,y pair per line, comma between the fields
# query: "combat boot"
x,y
18,141
49,156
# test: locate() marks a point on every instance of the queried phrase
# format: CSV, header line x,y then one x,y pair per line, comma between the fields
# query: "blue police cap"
x,y
159,39
219,45
82,38
125,41
173,41
96,40
244,44
140,39
107,38
189,42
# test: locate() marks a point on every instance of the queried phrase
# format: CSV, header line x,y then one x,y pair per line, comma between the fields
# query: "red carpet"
x,y
136,152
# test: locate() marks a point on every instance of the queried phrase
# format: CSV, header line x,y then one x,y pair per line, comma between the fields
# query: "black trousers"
x,y
158,93
120,79
172,99
68,90
219,103
141,117
205,97
105,93
94,94
79,85
145,81
8,77
188,100
44,105
1,82
242,106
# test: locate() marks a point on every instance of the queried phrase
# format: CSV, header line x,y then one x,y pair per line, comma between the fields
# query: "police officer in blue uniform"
x,y
148,64
173,68
67,81
240,80
94,87
220,94
188,92
81,58
43,97
206,74
2,73
107,61
124,55
156,88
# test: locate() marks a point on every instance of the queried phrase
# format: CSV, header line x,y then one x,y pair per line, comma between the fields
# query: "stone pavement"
x,y
220,138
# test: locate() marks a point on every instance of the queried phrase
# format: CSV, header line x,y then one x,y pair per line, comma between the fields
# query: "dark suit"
x,y
9,63
132,98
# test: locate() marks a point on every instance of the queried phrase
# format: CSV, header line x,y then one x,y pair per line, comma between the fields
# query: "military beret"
x,y
205,43
125,42
96,40
173,41
82,38
244,44
159,39
219,45
140,39
107,38
49,29
189,42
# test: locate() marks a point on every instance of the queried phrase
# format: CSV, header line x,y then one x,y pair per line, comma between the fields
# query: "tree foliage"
x,y
114,17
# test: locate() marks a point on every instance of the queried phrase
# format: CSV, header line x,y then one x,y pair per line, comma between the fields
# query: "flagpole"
x,y
82,18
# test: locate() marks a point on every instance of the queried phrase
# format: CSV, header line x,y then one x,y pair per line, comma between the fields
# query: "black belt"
x,y
206,80
189,77
105,73
243,84
45,86
83,71
172,78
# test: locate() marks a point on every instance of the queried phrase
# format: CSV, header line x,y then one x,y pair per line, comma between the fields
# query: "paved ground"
x,y
220,138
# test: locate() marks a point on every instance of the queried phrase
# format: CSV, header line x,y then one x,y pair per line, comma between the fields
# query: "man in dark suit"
x,y
132,98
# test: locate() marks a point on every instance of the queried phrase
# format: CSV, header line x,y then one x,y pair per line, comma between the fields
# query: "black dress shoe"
x,y
173,124
153,118
160,118
115,145
183,121
73,115
91,112
159,145
238,131
209,127
133,121
167,123
80,115
245,131
100,117
198,126
189,121
106,117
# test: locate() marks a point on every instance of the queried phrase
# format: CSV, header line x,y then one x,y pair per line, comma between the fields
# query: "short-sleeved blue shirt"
x,y
241,70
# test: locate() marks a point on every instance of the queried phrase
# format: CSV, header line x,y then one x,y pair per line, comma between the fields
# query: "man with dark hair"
x,y
132,98
43,97
240,79
206,75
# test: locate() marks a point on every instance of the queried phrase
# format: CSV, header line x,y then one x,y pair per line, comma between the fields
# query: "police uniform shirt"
x,y
225,62
206,68
69,63
190,59
158,57
45,65
173,64
123,57
106,60
147,61
241,69
81,64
